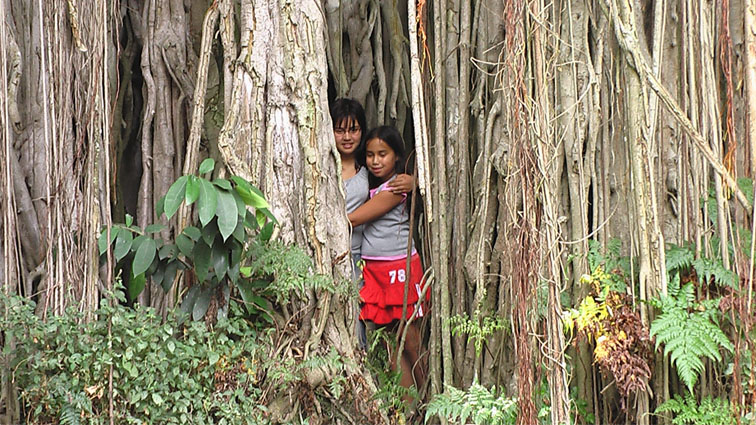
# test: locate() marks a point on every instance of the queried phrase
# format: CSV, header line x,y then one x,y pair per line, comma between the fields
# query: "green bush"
x,y
163,372
477,404
687,411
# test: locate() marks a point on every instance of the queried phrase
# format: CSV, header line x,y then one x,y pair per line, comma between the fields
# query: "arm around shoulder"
x,y
376,207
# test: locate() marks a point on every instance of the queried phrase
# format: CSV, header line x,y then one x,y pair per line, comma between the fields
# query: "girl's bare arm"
x,y
376,207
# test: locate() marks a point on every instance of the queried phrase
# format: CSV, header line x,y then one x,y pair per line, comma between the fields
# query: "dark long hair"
x,y
344,109
391,137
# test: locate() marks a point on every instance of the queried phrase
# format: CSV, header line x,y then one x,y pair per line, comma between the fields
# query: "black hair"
x,y
391,137
343,109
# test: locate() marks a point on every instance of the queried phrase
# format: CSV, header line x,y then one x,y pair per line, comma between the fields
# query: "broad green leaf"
x,y
220,261
239,233
200,306
245,271
261,219
209,232
192,190
201,256
260,283
185,245
222,183
138,242
213,358
191,297
259,194
207,166
227,213
266,232
102,241
260,301
154,228
169,274
122,245
250,221
136,285
157,276
208,201
144,256
167,251
129,220
193,232
241,207
249,197
247,292
266,212
160,206
175,195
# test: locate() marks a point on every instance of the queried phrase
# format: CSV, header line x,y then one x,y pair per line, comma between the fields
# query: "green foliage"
x,y
162,372
230,213
477,404
617,266
680,259
746,185
286,269
477,329
689,331
714,270
687,411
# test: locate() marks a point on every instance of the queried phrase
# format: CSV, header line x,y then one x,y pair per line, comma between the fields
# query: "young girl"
x,y
384,250
348,123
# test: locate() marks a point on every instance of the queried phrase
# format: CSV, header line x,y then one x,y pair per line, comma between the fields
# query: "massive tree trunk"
x,y
277,121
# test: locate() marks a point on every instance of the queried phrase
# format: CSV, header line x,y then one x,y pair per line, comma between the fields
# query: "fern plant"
x,y
477,404
689,331
687,411
681,259
477,329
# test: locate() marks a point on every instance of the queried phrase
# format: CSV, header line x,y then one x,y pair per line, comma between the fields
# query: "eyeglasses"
x,y
341,131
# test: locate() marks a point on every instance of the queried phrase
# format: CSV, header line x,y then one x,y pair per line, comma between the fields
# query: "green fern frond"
x,y
687,411
69,415
477,404
678,258
688,334
708,269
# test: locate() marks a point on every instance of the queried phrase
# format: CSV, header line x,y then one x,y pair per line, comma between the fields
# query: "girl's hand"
x,y
403,183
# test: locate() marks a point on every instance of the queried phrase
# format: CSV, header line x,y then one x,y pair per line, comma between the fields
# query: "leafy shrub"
x,y
163,372
230,213
689,329
477,404
477,329
687,411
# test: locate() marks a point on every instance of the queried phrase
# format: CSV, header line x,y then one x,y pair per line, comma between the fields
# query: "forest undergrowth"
x,y
231,370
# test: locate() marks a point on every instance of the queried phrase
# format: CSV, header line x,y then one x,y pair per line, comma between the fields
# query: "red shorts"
x,y
383,293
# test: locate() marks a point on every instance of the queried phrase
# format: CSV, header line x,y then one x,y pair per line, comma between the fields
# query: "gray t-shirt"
x,y
357,191
387,236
